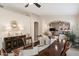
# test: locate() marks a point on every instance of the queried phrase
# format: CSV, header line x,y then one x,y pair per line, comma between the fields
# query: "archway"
x,y
60,26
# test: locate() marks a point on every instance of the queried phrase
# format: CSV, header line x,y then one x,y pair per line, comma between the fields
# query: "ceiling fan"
x,y
36,4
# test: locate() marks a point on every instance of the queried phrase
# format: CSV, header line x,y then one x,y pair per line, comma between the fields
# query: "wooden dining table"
x,y
54,49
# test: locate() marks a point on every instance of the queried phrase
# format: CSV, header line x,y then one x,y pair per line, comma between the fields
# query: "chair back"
x,y
16,52
4,52
67,45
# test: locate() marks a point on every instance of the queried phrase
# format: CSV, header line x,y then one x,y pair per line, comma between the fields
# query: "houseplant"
x,y
71,37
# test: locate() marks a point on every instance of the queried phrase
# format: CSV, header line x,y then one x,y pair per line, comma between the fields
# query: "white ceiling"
x,y
46,9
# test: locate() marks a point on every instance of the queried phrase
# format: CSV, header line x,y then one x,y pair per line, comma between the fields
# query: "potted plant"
x,y
71,37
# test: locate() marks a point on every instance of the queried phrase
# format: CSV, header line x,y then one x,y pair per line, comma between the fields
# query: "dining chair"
x,y
4,52
67,45
16,52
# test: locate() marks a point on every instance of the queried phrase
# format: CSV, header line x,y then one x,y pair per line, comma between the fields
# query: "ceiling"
x,y
46,8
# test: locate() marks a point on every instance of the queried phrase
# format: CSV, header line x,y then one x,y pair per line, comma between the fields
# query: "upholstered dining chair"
x,y
67,45
16,52
4,52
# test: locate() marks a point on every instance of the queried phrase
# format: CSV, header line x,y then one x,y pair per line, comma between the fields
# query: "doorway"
x,y
35,31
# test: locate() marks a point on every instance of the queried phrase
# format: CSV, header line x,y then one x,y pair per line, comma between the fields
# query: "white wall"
x,y
7,16
45,20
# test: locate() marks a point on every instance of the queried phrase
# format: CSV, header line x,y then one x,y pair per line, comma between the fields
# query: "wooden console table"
x,y
17,42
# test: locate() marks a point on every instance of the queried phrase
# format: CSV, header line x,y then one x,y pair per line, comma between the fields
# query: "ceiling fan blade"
x,y
27,5
38,5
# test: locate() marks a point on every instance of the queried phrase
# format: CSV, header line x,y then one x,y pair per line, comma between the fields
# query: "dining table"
x,y
53,49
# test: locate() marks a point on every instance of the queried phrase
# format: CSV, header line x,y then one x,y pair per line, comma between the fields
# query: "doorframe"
x,y
37,23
